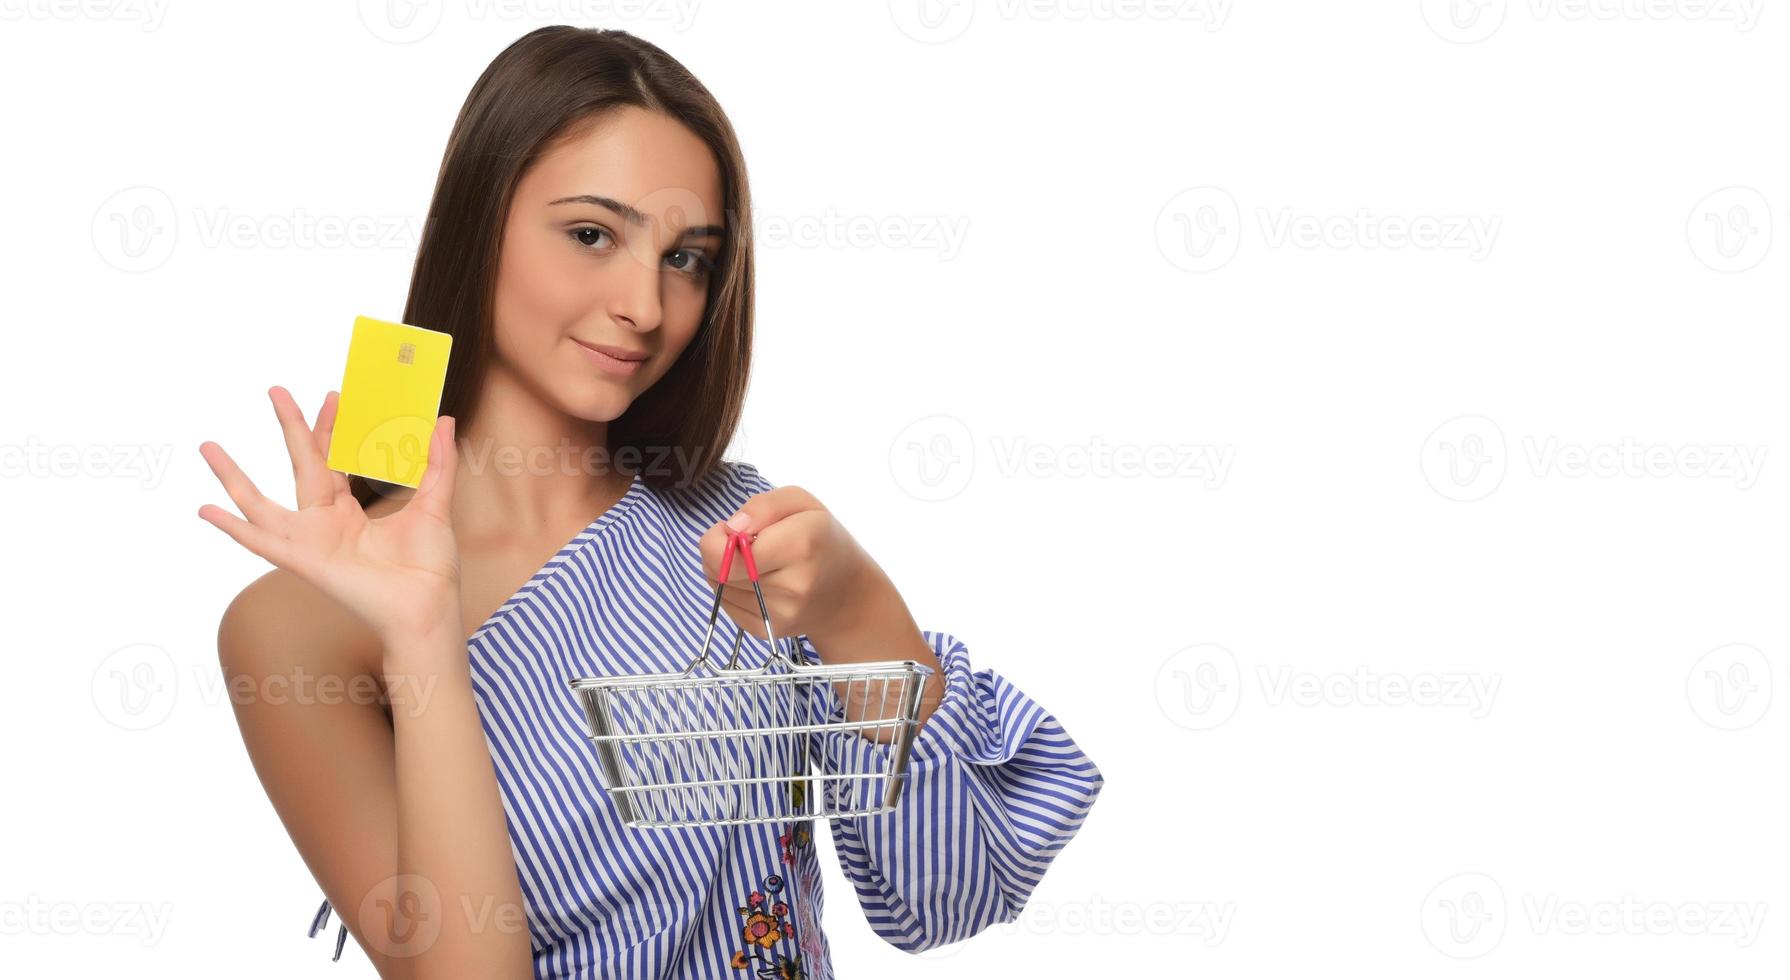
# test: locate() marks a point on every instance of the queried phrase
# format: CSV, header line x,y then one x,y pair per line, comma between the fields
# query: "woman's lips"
x,y
617,361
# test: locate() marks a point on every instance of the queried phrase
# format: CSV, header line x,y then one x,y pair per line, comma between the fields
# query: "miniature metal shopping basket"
x,y
718,745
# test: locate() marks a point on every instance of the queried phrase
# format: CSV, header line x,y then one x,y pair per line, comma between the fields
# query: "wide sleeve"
x,y
995,789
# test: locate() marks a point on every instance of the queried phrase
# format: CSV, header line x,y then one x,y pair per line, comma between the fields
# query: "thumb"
x,y
435,494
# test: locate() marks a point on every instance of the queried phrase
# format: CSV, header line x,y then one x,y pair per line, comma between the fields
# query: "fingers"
x,y
761,510
435,493
309,474
321,433
787,542
264,543
254,506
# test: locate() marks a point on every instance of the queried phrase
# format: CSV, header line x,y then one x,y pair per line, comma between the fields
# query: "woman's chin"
x,y
604,404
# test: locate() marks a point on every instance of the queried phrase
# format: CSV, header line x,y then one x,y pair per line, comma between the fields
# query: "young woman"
x,y
588,249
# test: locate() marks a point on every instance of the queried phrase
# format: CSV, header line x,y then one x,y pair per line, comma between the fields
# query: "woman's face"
x,y
608,246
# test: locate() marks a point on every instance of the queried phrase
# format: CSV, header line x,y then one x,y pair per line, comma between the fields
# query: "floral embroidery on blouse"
x,y
765,927
767,915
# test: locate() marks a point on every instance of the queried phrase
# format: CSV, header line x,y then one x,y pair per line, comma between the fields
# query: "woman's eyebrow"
x,y
633,216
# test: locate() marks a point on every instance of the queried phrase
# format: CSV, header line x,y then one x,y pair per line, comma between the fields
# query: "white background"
x,y
1426,679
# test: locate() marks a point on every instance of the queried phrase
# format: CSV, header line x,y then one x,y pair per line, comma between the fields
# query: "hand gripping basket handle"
x,y
741,541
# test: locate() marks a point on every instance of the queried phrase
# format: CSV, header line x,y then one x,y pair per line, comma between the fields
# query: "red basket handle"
x,y
742,542
737,540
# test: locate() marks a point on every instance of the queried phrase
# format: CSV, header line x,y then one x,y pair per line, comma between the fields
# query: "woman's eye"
x,y
589,237
689,262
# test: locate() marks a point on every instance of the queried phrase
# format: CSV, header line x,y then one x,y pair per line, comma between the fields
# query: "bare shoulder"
x,y
280,621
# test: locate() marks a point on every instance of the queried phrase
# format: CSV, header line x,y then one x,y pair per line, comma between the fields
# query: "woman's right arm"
x,y
339,773
399,817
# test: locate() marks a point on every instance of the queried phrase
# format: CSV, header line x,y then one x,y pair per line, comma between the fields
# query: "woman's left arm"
x,y
995,789
995,786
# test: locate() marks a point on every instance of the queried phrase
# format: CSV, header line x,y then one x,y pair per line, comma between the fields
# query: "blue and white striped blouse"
x,y
995,786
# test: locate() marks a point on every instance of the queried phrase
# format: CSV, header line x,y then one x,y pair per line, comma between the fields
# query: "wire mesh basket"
x,y
716,745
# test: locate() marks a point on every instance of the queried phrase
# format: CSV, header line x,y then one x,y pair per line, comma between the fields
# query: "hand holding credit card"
x,y
390,397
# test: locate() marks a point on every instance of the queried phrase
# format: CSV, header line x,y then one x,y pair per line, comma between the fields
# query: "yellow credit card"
x,y
389,400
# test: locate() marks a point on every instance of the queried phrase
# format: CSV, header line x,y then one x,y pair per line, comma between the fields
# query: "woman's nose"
x,y
635,297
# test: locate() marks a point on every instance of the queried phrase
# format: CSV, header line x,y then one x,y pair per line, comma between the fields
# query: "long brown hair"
x,y
542,87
